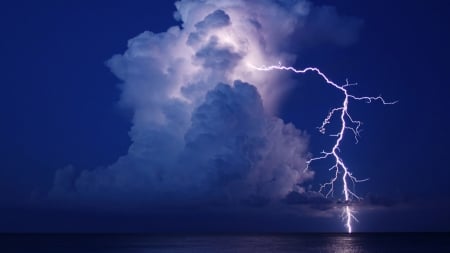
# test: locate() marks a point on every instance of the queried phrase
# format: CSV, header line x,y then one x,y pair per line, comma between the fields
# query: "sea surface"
x,y
132,243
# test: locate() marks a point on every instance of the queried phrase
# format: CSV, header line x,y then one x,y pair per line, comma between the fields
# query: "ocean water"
x,y
342,243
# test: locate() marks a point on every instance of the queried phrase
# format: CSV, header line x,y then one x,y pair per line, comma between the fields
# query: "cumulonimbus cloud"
x,y
204,127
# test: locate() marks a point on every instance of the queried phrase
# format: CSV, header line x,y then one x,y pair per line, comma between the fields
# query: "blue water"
x,y
342,243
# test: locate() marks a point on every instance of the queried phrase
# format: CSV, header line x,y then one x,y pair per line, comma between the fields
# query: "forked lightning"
x,y
347,123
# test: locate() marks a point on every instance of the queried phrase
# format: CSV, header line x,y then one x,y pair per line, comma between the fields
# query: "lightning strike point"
x,y
346,123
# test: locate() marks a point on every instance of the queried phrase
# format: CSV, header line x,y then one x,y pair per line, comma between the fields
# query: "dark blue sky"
x,y
59,106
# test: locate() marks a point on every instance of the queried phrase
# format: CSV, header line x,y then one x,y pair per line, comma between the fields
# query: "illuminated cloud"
x,y
204,125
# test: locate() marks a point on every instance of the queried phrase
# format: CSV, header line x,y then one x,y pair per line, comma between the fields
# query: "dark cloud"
x,y
229,139
313,200
232,154
220,58
217,19
64,180
383,201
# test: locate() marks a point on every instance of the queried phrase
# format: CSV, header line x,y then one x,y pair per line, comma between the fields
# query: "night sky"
x,y
83,148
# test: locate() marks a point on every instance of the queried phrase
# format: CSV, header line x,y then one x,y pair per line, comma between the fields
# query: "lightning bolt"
x,y
347,123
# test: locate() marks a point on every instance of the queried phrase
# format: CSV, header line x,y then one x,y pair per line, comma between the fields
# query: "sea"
x,y
224,243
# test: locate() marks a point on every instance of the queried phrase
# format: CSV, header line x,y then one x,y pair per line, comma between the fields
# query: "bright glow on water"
x,y
279,243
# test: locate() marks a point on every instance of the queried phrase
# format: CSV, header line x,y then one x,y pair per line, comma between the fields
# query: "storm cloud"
x,y
204,125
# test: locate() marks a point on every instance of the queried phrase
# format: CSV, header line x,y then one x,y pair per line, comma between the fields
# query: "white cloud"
x,y
204,127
